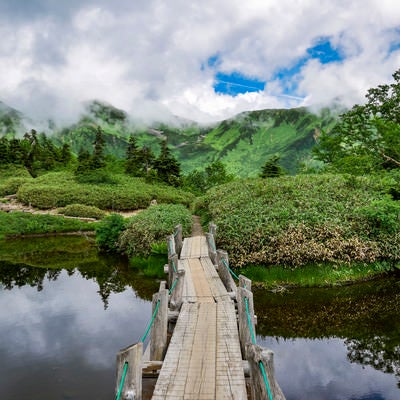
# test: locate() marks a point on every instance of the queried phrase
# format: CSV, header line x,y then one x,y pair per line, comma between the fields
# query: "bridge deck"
x,y
203,360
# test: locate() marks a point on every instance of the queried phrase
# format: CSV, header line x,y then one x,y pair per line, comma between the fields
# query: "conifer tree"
x,y
167,166
271,168
133,164
98,160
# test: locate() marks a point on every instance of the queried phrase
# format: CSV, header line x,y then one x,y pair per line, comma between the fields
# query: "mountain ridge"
x,y
243,142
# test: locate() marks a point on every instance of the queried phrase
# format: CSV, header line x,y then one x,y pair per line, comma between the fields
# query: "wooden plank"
x,y
230,380
194,247
216,286
201,286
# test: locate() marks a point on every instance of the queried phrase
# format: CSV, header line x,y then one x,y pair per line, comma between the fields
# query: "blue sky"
x,y
202,60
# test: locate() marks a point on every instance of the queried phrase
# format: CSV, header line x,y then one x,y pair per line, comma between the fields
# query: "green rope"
x,y
174,266
121,384
253,336
173,285
176,233
265,380
170,246
151,322
229,269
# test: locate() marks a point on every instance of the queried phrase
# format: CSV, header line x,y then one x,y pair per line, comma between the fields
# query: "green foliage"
x,y
82,211
58,189
19,223
108,232
271,168
152,226
151,266
294,221
167,166
96,177
199,181
367,137
383,216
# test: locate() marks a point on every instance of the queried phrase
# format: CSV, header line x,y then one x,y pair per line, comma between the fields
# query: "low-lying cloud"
x,y
149,55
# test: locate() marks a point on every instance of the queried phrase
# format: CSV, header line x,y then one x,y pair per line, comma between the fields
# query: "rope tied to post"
x,y
229,269
121,384
173,285
143,338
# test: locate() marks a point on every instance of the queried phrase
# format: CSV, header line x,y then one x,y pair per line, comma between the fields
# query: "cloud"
x,y
143,56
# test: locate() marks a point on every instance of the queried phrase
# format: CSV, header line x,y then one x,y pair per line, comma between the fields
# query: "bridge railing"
x,y
260,360
131,363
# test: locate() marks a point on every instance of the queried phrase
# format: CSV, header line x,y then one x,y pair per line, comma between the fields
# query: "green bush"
x,y
108,232
61,189
151,227
383,216
305,219
82,211
11,185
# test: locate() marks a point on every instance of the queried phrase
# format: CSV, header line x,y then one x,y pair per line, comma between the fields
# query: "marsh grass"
x,y
313,275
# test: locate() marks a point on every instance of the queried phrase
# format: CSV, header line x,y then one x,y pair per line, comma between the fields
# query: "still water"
x,y
60,329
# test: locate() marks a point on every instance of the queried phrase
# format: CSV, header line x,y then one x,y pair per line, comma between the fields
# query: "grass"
x,y
19,223
320,275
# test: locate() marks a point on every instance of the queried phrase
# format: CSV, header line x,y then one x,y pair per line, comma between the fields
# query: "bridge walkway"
x,y
203,360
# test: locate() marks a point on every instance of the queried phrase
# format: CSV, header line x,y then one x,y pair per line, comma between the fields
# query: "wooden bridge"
x,y
202,337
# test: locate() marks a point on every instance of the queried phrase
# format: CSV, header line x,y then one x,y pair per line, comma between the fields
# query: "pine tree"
x,y
4,151
133,164
146,161
271,168
98,160
167,166
84,161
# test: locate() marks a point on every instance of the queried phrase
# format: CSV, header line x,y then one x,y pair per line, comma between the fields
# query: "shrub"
x,y
152,226
11,185
82,211
383,216
61,189
298,220
108,232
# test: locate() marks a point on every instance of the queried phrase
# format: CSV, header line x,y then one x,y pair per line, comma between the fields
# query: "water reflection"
x,y
341,343
61,329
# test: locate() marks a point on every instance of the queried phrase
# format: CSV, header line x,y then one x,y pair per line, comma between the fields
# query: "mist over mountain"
x,y
243,143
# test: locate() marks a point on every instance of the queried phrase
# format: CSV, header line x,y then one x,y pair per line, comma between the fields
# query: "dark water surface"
x,y
65,312
341,343
60,330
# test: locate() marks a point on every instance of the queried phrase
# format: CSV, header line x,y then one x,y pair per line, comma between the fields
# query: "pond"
x,y
65,311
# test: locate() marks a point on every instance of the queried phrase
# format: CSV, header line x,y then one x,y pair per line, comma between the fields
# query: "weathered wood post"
x,y
223,271
176,289
247,331
178,239
262,374
158,333
171,245
244,282
172,268
213,230
212,250
129,373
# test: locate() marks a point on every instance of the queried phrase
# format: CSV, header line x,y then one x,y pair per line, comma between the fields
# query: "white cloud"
x,y
149,54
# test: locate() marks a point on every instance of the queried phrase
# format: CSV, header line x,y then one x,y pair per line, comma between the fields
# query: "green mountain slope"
x,y
242,143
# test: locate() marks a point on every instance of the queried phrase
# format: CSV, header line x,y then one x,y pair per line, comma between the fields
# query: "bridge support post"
x,y
212,250
129,372
158,338
223,271
247,331
172,268
178,239
262,374
244,282
213,229
171,245
177,286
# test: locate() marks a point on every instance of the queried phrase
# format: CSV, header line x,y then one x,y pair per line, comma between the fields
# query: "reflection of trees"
x,y
111,277
27,266
381,353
